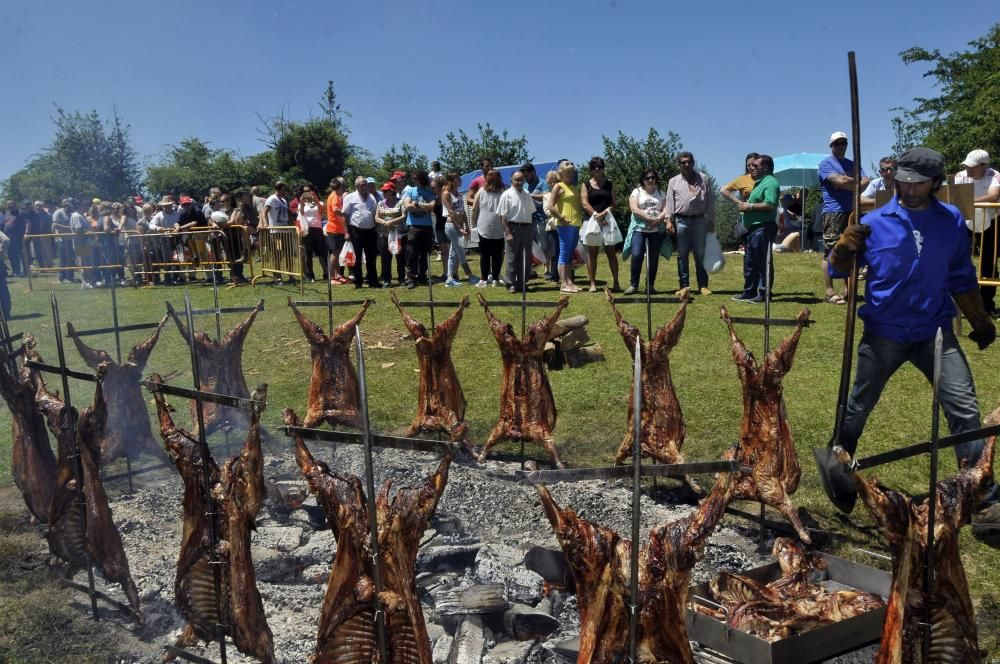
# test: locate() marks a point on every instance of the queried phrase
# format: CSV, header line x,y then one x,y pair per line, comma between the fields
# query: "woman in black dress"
x,y
598,197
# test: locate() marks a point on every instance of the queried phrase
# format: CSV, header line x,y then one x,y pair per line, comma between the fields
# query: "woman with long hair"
x,y
487,221
438,184
551,228
597,198
456,228
389,216
242,215
310,224
568,212
649,216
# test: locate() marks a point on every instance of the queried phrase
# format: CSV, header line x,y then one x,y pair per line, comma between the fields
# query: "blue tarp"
x,y
505,172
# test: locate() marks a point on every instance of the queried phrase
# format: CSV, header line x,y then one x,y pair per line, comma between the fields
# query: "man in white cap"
x,y
986,187
836,180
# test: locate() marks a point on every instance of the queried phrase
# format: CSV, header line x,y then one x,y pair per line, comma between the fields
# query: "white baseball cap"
x,y
837,135
975,158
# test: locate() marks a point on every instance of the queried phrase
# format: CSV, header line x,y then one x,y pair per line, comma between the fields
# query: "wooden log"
x,y
467,648
527,624
564,325
489,598
581,356
574,339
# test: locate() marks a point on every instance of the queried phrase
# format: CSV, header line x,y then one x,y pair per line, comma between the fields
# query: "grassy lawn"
x,y
591,400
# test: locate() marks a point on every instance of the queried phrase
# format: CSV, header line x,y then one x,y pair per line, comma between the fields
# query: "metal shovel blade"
x,y
837,482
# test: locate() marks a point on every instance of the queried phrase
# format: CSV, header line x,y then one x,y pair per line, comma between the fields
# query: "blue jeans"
x,y
691,233
456,252
756,245
640,242
880,357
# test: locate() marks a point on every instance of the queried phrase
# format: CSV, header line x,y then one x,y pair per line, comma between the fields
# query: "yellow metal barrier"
x,y
985,234
179,254
280,254
91,248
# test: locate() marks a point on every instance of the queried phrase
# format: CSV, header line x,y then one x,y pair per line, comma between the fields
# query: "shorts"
x,y
834,224
334,243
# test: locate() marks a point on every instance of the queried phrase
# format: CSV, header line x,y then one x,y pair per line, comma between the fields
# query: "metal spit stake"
x,y
633,622
932,493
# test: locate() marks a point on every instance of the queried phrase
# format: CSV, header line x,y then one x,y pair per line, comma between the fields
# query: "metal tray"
x,y
812,646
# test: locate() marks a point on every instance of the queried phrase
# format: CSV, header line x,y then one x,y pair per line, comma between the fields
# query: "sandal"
x,y
835,298
569,289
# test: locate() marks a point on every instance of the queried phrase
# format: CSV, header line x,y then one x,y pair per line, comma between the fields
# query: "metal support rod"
x,y
370,488
206,482
329,310
78,466
430,294
8,343
118,355
762,524
649,293
633,621
218,311
524,305
932,495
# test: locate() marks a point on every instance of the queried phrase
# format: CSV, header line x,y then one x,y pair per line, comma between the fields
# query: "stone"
x,y
501,563
442,649
468,644
447,558
282,538
508,652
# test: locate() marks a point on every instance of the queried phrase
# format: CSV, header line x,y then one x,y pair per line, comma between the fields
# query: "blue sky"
x,y
728,77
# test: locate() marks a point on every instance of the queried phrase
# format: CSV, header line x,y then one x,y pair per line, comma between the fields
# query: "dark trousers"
x,y
490,257
234,253
67,259
386,259
419,242
365,241
14,251
315,247
757,243
553,252
518,253
987,244
643,243
4,291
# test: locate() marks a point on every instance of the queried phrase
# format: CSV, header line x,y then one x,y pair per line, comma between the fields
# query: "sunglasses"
x,y
649,178
840,142
887,169
685,162
599,167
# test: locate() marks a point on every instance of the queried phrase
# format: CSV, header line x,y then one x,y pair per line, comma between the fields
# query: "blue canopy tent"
x,y
799,169
505,172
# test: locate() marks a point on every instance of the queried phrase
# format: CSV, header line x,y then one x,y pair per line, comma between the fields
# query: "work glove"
x,y
852,242
971,306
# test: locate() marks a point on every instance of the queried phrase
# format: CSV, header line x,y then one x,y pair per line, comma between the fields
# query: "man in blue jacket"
x,y
917,252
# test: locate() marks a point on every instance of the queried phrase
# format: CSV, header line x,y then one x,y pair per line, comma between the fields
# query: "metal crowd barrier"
x,y
181,254
985,242
280,254
67,249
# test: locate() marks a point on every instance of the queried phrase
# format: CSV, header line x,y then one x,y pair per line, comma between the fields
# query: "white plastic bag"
x,y
537,255
347,256
394,243
610,232
714,259
590,233
579,254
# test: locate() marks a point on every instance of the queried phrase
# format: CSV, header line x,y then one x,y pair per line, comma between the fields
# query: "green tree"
x,y
193,167
626,157
313,151
966,113
463,153
89,156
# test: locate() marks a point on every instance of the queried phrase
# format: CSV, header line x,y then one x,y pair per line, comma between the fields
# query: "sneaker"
x,y
986,522
85,285
740,298
451,283
679,292
474,281
386,284
631,290
410,285
482,283
704,291
512,289
99,284
494,282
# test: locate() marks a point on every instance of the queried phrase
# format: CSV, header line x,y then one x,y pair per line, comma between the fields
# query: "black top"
x,y
600,197
193,213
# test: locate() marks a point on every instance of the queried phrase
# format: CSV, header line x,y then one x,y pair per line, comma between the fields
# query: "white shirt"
x,y
277,214
312,215
164,221
650,204
984,185
359,213
516,206
878,184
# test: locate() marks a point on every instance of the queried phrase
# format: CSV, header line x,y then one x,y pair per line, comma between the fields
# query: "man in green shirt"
x,y
759,216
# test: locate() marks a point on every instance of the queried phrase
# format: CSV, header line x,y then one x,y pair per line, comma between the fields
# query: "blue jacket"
x,y
916,260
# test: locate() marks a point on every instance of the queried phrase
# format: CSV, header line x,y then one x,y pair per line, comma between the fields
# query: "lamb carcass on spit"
x,y
599,560
128,432
347,631
334,393
69,537
765,443
440,403
220,365
903,521
33,465
527,408
661,419
238,490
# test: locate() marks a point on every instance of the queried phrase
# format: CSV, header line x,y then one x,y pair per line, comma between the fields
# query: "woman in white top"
x,y
487,221
310,224
649,215
456,227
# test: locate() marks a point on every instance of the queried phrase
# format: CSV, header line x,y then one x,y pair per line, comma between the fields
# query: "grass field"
x,y
591,400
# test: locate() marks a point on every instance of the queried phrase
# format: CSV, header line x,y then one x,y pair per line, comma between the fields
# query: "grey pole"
x,y
633,623
932,495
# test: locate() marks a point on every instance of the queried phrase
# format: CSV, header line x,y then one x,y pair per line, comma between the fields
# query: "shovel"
x,y
837,481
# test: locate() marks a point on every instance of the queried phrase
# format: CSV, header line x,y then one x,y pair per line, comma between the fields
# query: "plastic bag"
x,y
537,255
347,256
610,232
590,233
579,254
395,246
714,260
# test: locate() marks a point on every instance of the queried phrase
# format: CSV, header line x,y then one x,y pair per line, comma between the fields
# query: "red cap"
x,y
398,175
388,186
138,200
186,199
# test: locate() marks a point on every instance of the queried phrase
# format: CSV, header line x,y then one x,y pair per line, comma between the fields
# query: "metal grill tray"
x,y
812,646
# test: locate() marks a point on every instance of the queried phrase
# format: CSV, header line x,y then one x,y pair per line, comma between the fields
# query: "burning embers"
x,y
347,628
238,491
